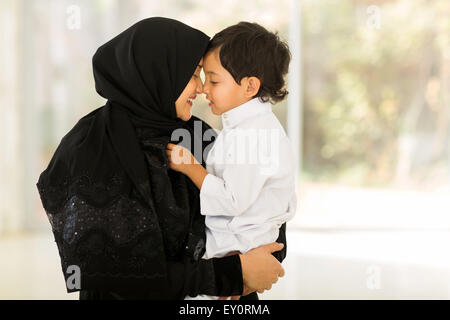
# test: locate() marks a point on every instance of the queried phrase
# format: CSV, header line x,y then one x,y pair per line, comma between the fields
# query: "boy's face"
x,y
220,88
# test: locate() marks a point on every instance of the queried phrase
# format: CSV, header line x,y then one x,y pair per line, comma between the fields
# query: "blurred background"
x,y
368,115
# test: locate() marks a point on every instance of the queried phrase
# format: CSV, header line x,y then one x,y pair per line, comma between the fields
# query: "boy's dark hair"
x,y
249,50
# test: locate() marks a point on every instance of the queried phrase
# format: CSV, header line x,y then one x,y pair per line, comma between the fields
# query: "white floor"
x,y
31,269
319,265
365,265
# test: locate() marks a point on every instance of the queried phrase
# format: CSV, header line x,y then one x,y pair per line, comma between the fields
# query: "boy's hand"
x,y
180,158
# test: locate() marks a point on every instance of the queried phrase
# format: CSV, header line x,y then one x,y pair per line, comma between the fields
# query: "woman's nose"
x,y
199,88
204,88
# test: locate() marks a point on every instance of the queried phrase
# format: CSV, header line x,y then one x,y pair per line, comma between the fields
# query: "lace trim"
x,y
56,195
122,220
103,230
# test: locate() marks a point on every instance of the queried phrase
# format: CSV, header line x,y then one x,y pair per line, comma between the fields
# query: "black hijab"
x,y
142,72
116,209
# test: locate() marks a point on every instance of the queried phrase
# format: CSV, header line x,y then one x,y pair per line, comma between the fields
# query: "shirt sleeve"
x,y
232,195
216,277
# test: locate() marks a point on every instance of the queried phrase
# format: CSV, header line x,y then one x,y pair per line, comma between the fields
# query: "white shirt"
x,y
249,191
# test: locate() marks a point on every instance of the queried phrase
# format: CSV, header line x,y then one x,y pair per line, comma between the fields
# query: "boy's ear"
x,y
252,85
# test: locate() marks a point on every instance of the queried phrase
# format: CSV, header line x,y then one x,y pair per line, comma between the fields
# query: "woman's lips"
x,y
191,101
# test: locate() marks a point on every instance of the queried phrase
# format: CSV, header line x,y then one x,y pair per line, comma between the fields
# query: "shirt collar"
x,y
250,109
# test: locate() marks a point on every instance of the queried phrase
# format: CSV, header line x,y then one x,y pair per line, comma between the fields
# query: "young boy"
x,y
248,188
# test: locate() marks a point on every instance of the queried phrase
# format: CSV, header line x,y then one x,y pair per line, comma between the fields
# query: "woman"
x,y
130,224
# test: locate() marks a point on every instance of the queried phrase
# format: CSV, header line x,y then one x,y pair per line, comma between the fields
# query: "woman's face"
x,y
186,99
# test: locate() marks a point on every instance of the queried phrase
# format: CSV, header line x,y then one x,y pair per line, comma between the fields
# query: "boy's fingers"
x,y
275,247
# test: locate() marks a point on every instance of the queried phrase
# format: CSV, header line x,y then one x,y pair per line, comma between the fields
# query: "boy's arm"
x,y
182,160
197,174
230,196
234,193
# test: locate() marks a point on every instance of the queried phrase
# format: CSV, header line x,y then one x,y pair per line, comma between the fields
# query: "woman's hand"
x,y
260,269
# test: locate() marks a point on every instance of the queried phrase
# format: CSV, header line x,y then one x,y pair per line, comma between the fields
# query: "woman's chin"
x,y
187,113
186,117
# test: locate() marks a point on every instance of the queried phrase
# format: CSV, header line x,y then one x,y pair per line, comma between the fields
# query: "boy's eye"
x,y
213,82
